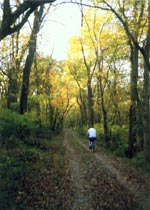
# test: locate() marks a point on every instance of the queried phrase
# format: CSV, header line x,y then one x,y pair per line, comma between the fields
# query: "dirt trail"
x,y
100,182
77,171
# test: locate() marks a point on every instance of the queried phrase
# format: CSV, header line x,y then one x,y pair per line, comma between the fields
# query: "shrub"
x,y
13,126
139,161
118,134
121,149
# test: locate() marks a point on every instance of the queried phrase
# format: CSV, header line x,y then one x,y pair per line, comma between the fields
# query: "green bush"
x,y
12,125
121,149
119,140
100,131
139,161
118,134
15,127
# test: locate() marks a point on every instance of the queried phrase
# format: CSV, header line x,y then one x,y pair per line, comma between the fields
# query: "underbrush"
x,y
33,172
138,161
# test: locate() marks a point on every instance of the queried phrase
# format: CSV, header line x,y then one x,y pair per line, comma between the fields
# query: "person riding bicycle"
x,y
91,136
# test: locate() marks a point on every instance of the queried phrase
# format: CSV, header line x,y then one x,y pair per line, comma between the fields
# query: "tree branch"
x,y
9,19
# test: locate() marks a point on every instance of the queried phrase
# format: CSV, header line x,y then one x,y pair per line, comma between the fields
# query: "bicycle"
x,y
92,146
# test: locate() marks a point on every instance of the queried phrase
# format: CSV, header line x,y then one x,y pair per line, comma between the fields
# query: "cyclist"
x,y
92,137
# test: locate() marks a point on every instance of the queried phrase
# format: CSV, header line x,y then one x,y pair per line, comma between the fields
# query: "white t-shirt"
x,y
92,132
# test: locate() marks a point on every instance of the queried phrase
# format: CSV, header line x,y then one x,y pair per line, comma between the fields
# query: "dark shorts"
x,y
92,138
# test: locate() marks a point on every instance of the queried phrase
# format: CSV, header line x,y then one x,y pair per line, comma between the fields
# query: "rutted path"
x,y
82,201
100,182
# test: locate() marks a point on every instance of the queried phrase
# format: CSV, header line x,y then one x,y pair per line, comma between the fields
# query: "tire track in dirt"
x,y
122,180
81,200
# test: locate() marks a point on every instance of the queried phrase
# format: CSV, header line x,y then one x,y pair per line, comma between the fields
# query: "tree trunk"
x,y
133,126
90,104
81,101
12,92
101,95
89,88
146,107
104,114
14,69
146,113
146,93
29,60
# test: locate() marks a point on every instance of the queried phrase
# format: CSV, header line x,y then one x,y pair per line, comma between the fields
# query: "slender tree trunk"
x,y
12,92
146,112
13,87
89,88
89,79
81,101
103,108
104,114
90,104
146,93
29,60
133,126
146,106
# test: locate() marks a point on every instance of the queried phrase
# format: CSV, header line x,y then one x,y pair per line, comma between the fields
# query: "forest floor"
x,y
62,174
103,182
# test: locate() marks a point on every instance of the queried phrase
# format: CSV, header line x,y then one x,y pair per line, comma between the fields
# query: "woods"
x,y
104,81
47,105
